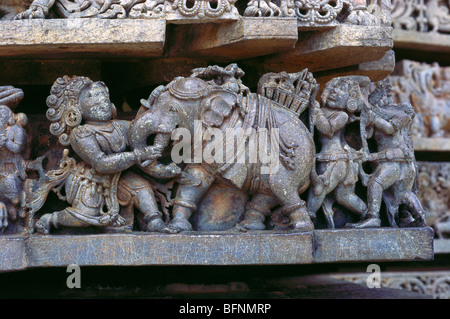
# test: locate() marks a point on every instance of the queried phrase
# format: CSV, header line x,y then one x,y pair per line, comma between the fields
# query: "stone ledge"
x,y
338,47
82,38
431,144
217,248
424,41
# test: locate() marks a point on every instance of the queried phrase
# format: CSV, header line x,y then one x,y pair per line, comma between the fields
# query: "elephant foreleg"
x,y
187,197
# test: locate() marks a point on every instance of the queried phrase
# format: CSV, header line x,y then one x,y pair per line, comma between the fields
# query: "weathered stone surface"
x,y
81,38
12,253
217,248
435,42
432,144
341,46
375,70
442,246
246,38
373,245
184,249
435,284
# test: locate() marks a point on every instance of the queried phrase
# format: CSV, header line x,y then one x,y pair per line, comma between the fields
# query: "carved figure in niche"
x,y
394,176
82,116
338,163
13,143
198,105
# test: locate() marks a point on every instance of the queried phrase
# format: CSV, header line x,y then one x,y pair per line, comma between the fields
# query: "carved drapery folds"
x,y
421,15
427,88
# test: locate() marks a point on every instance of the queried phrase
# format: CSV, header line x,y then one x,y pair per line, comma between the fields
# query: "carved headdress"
x,y
63,103
356,84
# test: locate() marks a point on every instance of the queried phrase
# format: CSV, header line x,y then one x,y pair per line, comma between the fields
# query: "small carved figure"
x,y
339,164
394,177
82,116
13,142
185,102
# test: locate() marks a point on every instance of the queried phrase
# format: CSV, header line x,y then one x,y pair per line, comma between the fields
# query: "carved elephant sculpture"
x,y
197,107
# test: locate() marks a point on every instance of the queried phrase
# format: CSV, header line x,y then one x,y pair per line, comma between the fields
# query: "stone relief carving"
x,y
309,13
95,185
434,193
139,9
427,88
421,15
432,283
13,153
203,147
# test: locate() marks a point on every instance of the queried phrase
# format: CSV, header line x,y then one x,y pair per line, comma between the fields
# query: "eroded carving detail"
x,y
139,9
427,88
434,193
217,144
435,284
421,15
309,13
13,147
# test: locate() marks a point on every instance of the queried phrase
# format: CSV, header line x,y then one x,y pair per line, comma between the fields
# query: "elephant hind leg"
x,y
256,211
293,207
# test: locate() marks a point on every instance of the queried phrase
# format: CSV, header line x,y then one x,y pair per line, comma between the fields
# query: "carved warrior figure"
x,y
82,117
215,98
394,176
339,164
12,165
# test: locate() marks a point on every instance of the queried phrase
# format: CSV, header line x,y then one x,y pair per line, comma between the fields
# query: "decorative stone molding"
x,y
421,15
174,11
434,193
309,13
427,88
433,283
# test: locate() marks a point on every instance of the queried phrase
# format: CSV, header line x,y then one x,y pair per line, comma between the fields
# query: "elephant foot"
x,y
43,224
180,224
157,225
300,220
253,220
371,222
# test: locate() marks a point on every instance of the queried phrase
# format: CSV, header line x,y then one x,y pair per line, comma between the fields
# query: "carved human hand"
x,y
34,12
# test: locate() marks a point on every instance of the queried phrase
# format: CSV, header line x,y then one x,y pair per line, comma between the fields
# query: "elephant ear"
x,y
218,106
